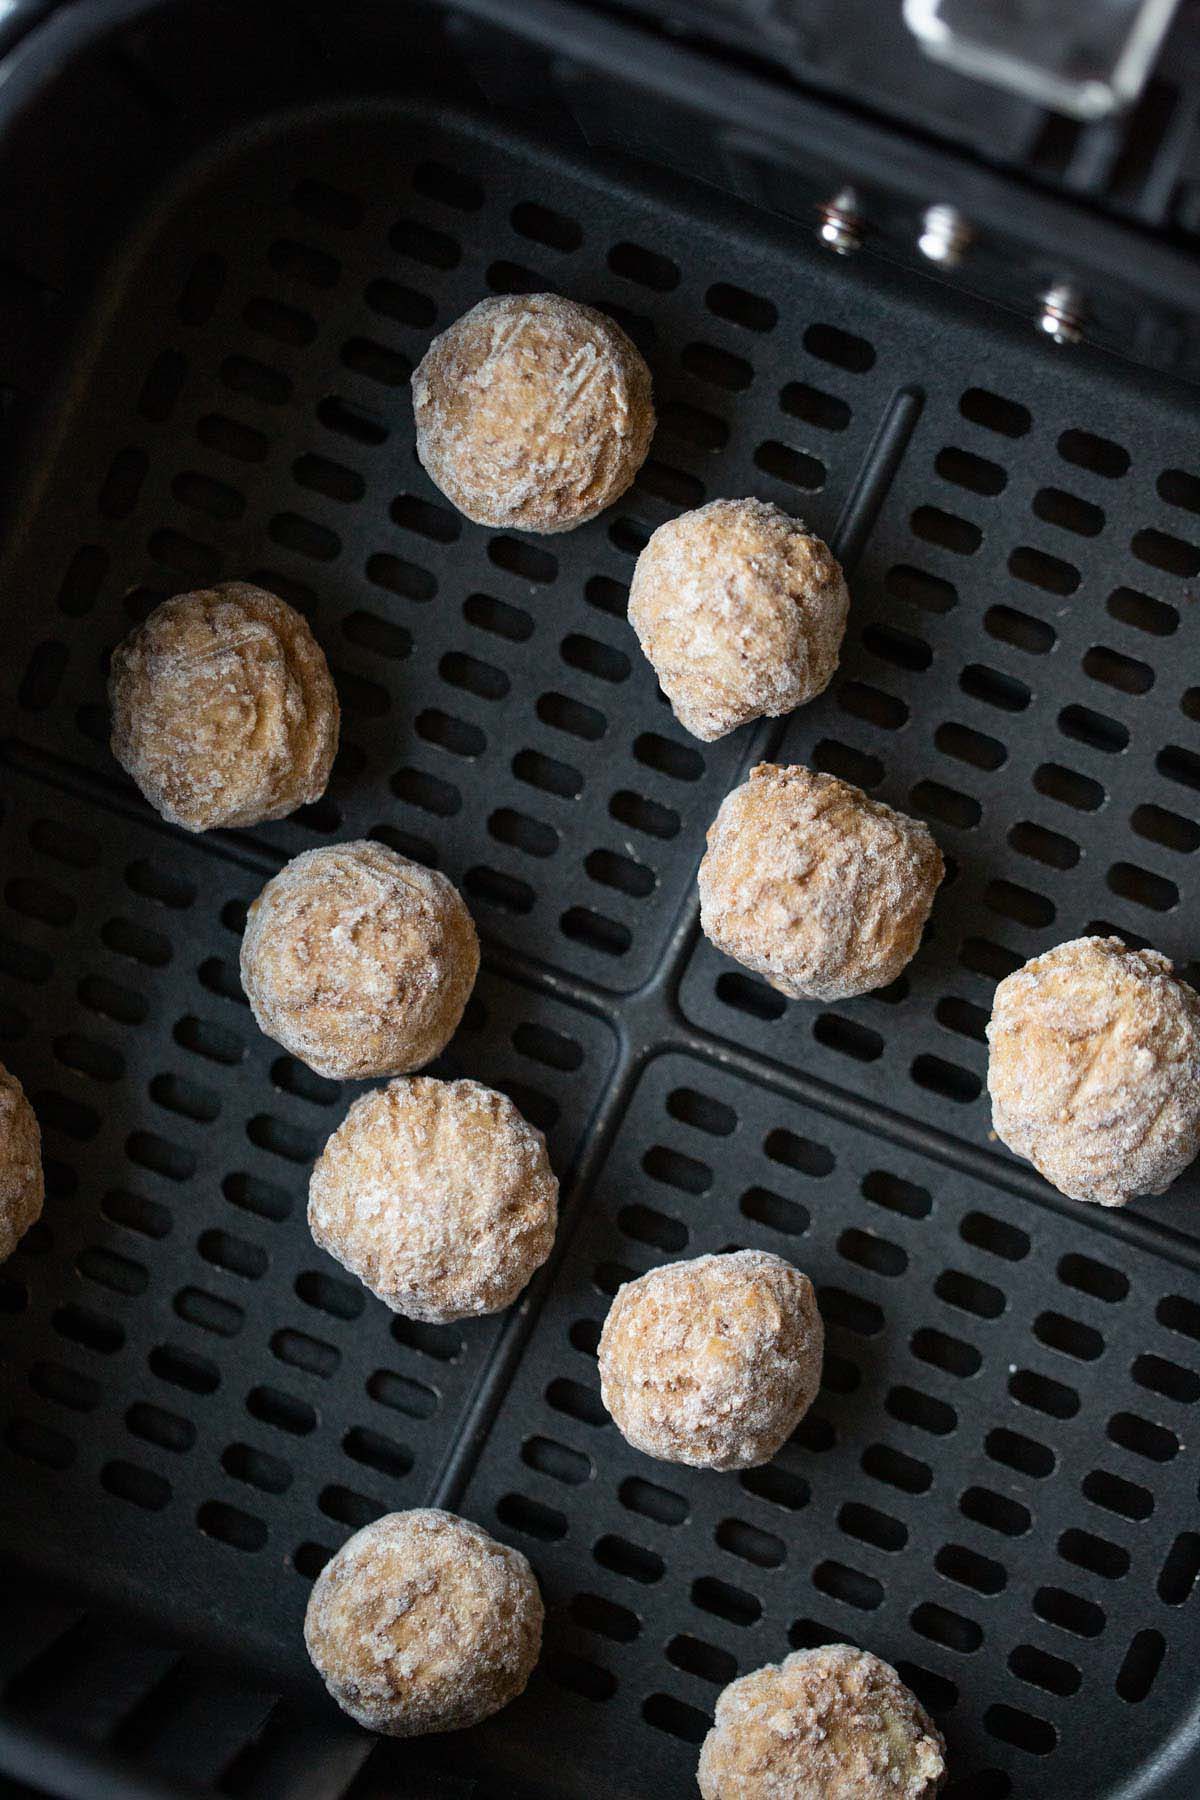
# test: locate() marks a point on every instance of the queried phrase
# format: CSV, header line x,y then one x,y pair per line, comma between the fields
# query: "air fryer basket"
x,y
995,1489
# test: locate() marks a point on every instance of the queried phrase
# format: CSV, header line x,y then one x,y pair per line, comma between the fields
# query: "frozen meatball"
x,y
712,1362
422,1622
359,961
21,1187
532,412
438,1195
741,611
1094,1069
223,709
810,883
830,1724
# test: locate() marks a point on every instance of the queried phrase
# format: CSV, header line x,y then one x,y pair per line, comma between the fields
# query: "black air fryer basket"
x,y
228,233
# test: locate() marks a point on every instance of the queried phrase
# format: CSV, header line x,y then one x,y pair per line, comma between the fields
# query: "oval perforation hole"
x,y
799,1153
942,1626
849,764
1038,1668
725,1601
1016,1451
1138,1671
1142,612
752,1545
594,1613
631,1560
1166,1378
919,588
270,1474
923,1411
1019,629
1095,729
773,1211
271,1406
883,1462
971,1570
40,1443
1025,1731
1180,1570
826,411
1143,887
1070,1612
1142,1437
947,530
634,262
720,368
1007,417
962,1016
139,1486
950,1081
896,1195
1114,670
1040,570
950,1354
1170,554
872,1527
158,1426
873,1253
998,1512
794,467
741,307
1068,512
969,471
851,1586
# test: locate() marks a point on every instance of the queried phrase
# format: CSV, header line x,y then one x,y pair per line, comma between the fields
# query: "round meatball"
x,y
223,708
22,1190
741,611
810,883
532,412
359,961
1094,1069
712,1362
438,1195
822,1725
422,1622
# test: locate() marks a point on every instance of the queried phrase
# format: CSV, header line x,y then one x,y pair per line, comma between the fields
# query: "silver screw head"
x,y
841,227
1063,310
946,236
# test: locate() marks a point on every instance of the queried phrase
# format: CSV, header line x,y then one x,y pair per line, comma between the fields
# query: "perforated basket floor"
x,y
995,1489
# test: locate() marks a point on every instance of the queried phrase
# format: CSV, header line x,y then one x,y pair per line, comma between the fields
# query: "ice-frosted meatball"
x,y
532,412
812,884
21,1185
712,1362
422,1622
223,708
1094,1069
438,1195
741,611
359,961
830,1724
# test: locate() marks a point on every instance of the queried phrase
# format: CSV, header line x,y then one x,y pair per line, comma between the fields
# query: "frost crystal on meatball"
x,y
812,884
359,961
223,709
438,1195
1094,1069
532,412
712,1362
422,1622
741,612
827,1724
